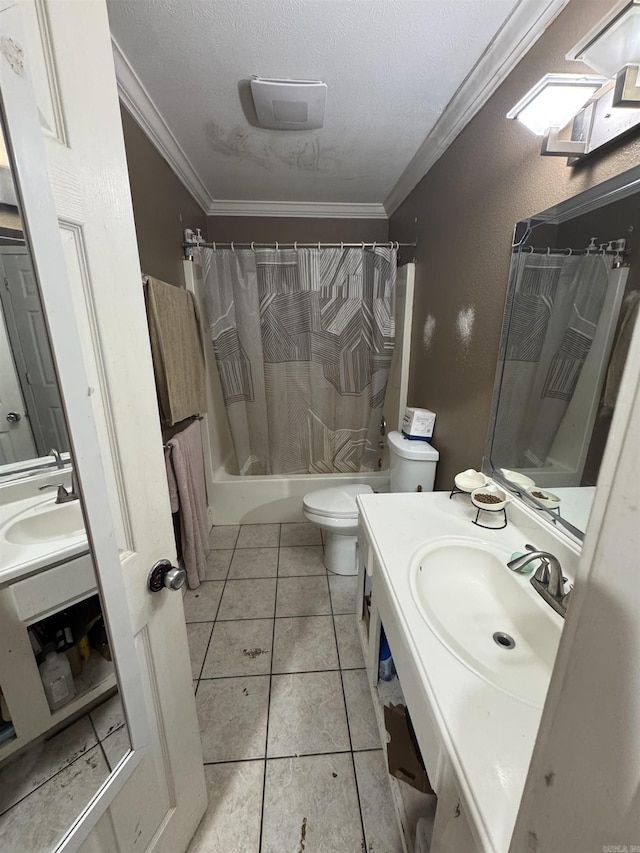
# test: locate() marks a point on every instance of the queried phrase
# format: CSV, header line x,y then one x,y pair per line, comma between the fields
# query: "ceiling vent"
x,y
289,104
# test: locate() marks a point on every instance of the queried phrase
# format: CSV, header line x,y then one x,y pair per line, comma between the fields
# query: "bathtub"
x,y
276,497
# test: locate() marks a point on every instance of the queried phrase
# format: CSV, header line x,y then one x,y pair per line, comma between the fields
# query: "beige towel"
x,y
176,346
187,463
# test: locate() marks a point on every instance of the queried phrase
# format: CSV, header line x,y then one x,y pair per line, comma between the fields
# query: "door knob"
x,y
14,417
163,574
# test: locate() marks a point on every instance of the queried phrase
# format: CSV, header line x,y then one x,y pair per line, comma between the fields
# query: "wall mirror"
x,y
572,303
31,418
62,725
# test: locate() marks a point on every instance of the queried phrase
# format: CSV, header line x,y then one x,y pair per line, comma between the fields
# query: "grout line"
x,y
213,622
58,772
266,738
292,755
274,672
346,713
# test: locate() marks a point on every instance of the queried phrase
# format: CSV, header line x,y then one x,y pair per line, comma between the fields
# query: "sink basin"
x,y
49,522
486,615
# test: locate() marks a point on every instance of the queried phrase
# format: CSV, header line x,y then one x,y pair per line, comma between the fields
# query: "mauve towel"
x,y
171,480
188,469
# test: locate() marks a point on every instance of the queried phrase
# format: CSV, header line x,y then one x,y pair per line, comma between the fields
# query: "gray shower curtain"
x,y
303,341
556,305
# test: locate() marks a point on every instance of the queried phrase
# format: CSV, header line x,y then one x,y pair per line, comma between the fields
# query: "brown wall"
x,y
266,229
162,207
462,215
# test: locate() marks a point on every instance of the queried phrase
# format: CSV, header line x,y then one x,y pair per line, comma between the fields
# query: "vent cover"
x,y
289,104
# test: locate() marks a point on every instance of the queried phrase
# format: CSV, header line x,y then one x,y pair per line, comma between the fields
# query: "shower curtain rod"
x,y
611,247
194,244
541,250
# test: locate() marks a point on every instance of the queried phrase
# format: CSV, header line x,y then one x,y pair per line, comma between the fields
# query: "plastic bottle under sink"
x,y
57,680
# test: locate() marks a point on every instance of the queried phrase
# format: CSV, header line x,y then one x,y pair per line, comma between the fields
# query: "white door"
x,y
30,346
85,254
16,442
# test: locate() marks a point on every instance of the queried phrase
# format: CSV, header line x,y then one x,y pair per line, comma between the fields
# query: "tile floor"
x,y
58,777
291,746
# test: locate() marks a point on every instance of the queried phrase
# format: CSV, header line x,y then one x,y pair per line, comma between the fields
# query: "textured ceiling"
x,y
391,67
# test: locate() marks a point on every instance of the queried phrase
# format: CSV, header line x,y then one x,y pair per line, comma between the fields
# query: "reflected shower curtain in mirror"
x,y
303,340
552,317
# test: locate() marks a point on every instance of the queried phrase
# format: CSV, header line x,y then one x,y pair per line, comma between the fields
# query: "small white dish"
x,y
494,492
469,480
517,479
547,499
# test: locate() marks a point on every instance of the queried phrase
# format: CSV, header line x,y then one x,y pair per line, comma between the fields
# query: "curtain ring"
x,y
341,246
569,252
232,248
295,246
548,251
530,248
253,247
363,247
214,245
276,245
374,245
318,245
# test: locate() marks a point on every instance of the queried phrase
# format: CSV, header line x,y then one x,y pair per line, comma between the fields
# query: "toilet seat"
x,y
337,502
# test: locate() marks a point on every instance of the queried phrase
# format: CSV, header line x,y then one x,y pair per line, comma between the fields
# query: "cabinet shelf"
x,y
410,805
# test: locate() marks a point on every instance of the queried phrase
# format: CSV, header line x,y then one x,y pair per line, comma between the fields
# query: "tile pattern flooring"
x,y
291,746
58,777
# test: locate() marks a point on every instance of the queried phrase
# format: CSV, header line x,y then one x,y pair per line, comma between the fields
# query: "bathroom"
x,y
458,201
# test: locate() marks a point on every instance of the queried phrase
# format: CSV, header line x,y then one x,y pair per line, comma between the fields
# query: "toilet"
x,y
334,510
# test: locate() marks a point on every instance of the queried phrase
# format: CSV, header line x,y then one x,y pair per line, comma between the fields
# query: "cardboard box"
x,y
403,754
418,423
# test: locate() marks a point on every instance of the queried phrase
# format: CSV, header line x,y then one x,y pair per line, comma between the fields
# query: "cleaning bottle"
x,y
386,669
57,680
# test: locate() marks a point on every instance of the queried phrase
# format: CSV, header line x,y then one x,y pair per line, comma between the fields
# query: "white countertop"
x,y
487,735
18,560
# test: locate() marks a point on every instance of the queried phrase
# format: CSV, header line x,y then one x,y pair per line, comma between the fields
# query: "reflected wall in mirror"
x,y
572,304
62,725
31,416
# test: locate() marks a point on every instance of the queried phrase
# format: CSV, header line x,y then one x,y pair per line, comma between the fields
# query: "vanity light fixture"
x,y
598,114
612,48
554,101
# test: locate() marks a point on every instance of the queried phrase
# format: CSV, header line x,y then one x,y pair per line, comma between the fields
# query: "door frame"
x,y
29,166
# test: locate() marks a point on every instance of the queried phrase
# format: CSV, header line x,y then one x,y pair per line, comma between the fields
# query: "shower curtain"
x,y
556,305
303,340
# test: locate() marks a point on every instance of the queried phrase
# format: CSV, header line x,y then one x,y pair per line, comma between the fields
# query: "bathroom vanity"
x,y
441,588
45,568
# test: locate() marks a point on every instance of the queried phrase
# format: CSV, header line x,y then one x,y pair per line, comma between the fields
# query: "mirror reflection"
x,y
571,307
31,416
62,726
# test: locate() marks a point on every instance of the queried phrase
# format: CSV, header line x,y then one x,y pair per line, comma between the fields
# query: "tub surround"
x,y
476,739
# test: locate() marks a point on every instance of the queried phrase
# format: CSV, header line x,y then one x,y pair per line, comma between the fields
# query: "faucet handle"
x,y
542,572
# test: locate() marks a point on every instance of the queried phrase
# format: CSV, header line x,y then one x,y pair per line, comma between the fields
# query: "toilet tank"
x,y
412,464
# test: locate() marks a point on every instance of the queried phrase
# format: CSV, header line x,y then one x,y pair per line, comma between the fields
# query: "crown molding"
x,y
518,34
305,209
143,109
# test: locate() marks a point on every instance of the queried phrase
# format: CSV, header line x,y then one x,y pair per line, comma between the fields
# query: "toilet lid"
x,y
337,502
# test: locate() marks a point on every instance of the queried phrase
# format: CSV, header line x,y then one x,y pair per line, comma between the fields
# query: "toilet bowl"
x,y
335,511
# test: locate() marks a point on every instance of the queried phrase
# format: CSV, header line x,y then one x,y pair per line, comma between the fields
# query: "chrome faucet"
x,y
56,455
64,495
547,580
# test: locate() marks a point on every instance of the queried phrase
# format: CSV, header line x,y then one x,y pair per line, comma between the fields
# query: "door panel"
x,y
97,322
30,344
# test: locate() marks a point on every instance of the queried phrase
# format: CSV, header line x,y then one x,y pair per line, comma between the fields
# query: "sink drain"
x,y
505,641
